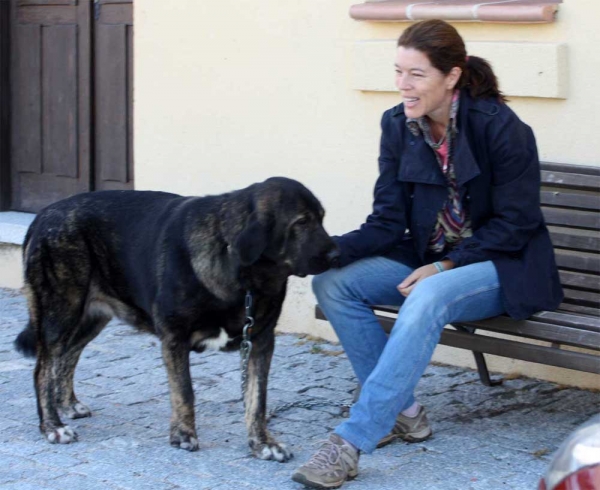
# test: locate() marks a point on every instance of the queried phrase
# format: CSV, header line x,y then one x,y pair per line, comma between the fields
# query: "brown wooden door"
x,y
50,101
71,99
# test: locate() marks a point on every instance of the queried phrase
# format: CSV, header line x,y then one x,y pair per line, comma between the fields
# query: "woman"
x,y
456,234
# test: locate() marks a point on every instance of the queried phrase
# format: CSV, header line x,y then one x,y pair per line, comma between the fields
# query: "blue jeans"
x,y
389,368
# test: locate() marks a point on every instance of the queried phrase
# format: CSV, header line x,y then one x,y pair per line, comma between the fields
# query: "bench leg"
x,y
484,374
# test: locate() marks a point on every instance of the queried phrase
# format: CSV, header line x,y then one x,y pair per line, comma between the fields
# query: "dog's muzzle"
x,y
333,258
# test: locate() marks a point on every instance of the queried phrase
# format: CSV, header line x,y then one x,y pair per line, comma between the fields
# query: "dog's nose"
x,y
333,257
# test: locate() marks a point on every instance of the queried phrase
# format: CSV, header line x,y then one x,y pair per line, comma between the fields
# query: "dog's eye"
x,y
302,221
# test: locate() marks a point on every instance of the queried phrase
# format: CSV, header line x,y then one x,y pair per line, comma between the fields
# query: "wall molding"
x,y
507,11
524,69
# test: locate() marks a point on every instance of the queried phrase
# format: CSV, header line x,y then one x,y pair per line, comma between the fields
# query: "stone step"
x,y
13,226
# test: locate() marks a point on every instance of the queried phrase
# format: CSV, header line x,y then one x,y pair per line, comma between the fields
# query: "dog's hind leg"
x,y
255,399
58,284
54,373
45,386
67,402
176,356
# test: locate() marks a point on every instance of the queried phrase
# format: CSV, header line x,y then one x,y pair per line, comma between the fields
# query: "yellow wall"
x,y
229,93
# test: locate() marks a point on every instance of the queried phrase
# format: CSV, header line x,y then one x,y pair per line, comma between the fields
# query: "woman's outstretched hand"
x,y
406,286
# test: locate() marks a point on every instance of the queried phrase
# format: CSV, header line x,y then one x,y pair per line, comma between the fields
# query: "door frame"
x,y
4,105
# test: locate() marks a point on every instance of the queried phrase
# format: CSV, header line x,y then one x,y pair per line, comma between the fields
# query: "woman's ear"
x,y
252,241
453,77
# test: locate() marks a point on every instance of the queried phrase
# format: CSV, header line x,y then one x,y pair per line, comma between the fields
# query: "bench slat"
x,y
571,180
570,168
583,310
584,240
580,280
569,319
560,334
572,218
550,326
583,298
526,352
579,261
570,200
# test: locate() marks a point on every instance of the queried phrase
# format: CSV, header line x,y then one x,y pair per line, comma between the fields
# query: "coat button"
x,y
411,142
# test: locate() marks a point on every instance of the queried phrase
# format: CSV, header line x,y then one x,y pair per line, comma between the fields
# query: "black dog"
x,y
178,267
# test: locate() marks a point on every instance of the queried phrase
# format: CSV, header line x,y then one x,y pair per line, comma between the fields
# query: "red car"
x,y
576,464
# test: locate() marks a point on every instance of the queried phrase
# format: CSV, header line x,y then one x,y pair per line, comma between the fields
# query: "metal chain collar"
x,y
246,348
246,345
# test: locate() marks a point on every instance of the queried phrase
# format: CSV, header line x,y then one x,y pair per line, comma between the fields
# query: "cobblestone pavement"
x,y
485,438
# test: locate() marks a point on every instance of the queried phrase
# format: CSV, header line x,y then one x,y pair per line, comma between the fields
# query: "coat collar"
x,y
418,163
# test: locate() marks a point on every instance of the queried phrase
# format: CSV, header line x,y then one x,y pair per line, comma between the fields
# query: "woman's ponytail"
x,y
479,79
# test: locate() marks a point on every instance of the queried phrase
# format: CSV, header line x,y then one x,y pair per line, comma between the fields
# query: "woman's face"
x,y
426,90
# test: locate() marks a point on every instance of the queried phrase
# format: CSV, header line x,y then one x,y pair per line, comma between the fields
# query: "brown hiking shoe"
x,y
409,429
334,463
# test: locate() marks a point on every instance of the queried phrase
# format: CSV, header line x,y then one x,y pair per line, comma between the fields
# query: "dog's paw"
x,y
61,435
272,451
76,411
184,440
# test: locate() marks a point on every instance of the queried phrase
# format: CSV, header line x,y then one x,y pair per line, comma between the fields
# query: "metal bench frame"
x,y
570,198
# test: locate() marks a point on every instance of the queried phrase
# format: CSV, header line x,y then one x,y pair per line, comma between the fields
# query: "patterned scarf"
x,y
453,221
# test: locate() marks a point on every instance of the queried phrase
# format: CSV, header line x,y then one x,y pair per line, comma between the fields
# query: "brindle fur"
x,y
174,266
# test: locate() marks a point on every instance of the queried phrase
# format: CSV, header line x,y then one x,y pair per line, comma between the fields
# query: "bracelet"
x,y
439,267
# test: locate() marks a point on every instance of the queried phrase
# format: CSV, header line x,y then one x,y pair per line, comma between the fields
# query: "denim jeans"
x,y
389,368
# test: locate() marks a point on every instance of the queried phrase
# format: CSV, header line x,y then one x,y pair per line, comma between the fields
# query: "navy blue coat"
x,y
498,175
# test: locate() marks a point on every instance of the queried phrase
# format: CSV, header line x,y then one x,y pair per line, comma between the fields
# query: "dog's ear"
x,y
252,241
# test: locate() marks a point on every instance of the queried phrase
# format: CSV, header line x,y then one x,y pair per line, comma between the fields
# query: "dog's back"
x,y
77,241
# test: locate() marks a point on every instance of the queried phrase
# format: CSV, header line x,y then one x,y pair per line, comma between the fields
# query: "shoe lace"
x,y
328,454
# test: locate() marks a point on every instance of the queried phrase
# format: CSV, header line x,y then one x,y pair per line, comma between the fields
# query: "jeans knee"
x,y
423,307
323,285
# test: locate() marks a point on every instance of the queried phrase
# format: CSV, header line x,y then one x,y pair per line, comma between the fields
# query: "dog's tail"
x,y
25,342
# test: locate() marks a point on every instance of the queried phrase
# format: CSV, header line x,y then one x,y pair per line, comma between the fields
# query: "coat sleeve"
x,y
386,225
515,194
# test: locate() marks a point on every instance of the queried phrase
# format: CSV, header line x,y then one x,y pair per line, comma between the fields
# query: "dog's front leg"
x,y
255,398
176,356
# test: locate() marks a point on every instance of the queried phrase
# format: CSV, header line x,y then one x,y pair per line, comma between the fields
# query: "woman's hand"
x,y
406,286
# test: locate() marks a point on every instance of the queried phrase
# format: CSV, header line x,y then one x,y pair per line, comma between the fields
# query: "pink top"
x,y
442,152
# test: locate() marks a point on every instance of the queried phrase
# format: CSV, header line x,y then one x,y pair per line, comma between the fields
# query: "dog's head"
x,y
286,228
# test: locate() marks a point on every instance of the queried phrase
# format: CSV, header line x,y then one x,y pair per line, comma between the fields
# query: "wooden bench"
x,y
570,197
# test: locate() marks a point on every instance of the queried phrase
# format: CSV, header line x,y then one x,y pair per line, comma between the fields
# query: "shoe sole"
x,y
300,478
414,437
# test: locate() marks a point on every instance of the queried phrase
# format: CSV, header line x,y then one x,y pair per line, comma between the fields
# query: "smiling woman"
x,y
456,234
431,62
426,91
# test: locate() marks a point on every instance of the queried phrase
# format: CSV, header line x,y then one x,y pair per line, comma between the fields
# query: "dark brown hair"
x,y
444,47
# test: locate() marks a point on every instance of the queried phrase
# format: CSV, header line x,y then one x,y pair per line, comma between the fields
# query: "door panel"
x,y
50,116
26,109
113,79
4,105
59,101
